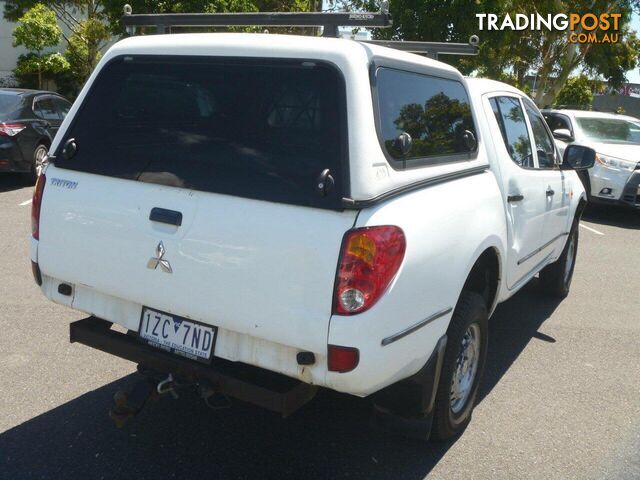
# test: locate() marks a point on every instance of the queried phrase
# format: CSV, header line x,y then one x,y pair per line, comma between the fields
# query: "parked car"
x,y
270,214
29,119
615,178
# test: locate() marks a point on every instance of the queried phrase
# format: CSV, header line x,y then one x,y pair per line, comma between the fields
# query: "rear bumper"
x,y
10,156
250,384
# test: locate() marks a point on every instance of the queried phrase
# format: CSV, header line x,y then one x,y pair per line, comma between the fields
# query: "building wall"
x,y
8,53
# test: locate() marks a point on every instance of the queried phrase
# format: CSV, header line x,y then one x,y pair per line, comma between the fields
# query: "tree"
x,y
84,49
576,92
38,30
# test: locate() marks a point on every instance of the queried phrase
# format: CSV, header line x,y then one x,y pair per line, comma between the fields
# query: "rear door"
x,y
211,165
45,109
526,204
62,106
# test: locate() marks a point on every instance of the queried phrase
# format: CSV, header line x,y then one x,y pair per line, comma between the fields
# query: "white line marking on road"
x,y
25,203
591,229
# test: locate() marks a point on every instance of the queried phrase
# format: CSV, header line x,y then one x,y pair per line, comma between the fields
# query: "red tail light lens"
x,y
11,129
342,359
369,260
35,206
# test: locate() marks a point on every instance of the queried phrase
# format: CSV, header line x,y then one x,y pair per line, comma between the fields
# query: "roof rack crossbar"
x,y
330,21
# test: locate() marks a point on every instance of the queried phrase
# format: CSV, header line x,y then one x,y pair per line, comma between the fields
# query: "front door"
x,y
558,197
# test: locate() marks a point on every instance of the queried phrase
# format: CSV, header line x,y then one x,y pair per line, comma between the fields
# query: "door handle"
x,y
550,192
515,198
162,215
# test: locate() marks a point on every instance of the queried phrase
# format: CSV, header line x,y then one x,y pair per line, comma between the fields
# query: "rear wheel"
x,y
555,279
37,164
464,360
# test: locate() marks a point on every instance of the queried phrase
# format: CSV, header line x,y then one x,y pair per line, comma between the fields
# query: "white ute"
x,y
268,214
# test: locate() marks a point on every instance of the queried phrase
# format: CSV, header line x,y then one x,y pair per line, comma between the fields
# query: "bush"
x,y
575,93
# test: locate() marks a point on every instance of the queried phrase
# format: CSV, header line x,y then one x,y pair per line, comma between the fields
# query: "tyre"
x,y
555,279
39,155
464,360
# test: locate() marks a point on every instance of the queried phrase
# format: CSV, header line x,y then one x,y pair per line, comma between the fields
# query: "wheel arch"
x,y
485,274
46,141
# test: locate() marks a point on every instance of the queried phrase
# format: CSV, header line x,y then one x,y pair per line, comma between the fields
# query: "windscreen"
x,y
262,129
610,130
9,103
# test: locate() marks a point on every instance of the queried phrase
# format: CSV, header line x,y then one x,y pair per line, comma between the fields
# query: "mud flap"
x,y
406,408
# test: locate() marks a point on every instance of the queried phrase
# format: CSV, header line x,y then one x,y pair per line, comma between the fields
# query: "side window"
x,y
62,106
545,146
434,111
43,108
513,126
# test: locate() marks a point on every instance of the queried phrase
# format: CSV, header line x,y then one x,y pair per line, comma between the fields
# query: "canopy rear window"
x,y
263,129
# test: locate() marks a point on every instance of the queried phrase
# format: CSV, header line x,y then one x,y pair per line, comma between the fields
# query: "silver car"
x,y
615,177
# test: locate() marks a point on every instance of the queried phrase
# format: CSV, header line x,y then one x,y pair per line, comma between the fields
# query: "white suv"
x,y
615,178
270,214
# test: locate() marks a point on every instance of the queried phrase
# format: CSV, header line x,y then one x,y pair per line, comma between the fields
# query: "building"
x,y
8,53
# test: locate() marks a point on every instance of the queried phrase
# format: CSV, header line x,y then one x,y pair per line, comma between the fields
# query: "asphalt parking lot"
x,y
560,398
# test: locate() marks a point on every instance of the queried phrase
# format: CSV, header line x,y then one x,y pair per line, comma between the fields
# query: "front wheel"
x,y
464,360
555,279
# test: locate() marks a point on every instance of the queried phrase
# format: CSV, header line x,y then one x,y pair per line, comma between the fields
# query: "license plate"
x,y
177,335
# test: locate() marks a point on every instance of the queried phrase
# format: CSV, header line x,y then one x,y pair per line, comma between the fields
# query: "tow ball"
x,y
127,405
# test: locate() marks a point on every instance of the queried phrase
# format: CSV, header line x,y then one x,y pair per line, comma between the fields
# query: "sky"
x,y
633,76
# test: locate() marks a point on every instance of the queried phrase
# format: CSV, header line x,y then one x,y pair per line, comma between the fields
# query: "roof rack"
x,y
431,49
330,21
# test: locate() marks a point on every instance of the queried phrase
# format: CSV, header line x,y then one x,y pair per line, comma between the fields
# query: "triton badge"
x,y
153,262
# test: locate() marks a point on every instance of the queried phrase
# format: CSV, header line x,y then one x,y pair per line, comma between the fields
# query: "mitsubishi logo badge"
x,y
153,262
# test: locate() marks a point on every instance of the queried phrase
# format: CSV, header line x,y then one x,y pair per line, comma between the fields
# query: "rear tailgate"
x,y
253,267
236,146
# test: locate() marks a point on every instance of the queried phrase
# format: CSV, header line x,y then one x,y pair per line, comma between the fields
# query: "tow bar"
x,y
167,373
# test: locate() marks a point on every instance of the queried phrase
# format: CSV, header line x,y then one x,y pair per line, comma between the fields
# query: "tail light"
x,y
11,129
369,260
35,206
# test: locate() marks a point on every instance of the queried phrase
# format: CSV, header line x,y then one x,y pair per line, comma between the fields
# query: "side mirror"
x,y
563,134
577,157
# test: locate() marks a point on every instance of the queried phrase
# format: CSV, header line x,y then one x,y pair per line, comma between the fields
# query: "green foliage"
x,y
576,92
37,29
49,64
32,71
82,52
